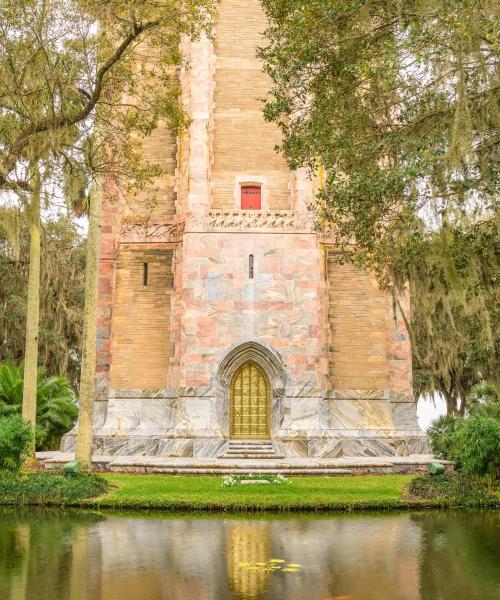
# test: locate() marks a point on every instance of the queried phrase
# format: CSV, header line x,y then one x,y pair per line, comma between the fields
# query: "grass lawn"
x,y
206,493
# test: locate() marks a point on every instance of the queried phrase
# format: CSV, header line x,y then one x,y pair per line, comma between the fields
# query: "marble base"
x,y
333,424
403,444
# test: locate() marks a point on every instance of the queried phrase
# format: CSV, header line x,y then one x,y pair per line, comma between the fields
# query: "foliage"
x,y
47,489
393,107
442,434
452,489
397,101
471,442
84,81
15,437
478,446
56,405
455,312
61,294
484,400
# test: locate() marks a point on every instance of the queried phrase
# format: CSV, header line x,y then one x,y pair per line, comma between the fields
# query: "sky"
x,y
428,410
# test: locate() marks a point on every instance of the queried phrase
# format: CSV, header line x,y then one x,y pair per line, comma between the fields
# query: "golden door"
x,y
250,403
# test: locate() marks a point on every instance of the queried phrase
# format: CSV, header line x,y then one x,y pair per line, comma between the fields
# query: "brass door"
x,y
250,403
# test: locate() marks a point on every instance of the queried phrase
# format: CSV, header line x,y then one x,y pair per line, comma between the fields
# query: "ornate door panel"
x,y
250,403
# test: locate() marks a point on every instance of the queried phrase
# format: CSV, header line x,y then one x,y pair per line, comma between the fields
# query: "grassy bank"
x,y
373,492
206,493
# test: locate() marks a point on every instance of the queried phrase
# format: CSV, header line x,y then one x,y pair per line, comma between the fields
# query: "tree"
x,y
87,380
397,103
455,314
61,293
85,82
70,65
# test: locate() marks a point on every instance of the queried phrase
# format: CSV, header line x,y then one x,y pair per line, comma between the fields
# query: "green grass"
x,y
206,493
181,493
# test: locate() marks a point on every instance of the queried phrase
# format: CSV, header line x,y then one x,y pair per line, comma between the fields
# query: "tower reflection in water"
x,y
248,554
55,555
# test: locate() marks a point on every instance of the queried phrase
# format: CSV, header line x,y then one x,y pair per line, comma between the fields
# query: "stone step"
x,y
252,456
248,441
252,446
250,450
228,471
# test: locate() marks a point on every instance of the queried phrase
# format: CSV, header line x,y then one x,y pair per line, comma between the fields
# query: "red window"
x,y
251,197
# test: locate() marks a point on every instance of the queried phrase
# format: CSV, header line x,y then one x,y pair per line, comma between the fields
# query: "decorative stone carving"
x,y
151,232
262,354
250,219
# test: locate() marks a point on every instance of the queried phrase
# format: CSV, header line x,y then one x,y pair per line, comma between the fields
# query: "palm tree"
x,y
56,410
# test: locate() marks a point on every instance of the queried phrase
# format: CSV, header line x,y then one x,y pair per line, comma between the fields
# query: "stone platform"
x,y
285,466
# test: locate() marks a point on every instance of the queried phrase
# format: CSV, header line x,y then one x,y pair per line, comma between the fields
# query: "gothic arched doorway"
x,y
250,403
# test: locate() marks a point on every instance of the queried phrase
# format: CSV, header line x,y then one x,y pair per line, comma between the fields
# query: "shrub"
x,y
56,407
484,400
15,437
455,489
49,488
478,445
442,434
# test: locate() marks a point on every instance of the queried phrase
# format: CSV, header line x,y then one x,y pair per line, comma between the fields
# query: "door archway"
x,y
250,400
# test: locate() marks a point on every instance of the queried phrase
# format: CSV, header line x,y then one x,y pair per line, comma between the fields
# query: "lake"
x,y
73,555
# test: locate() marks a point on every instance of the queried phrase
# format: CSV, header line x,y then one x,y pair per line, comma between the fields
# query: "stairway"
x,y
251,449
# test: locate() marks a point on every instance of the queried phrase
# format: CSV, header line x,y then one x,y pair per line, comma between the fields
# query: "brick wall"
x,y
141,345
158,202
357,321
243,142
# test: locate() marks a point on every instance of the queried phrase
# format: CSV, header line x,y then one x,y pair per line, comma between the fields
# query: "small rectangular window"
x,y
145,274
251,197
251,269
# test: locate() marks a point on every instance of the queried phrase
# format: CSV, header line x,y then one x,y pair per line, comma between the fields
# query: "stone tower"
x,y
225,315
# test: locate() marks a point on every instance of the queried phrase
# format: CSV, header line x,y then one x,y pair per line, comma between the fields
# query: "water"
x,y
54,555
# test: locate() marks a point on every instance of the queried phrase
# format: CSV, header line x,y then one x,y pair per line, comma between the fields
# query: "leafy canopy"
x,y
394,107
397,101
84,81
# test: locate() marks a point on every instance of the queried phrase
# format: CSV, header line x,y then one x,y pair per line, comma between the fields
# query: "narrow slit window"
x,y
145,274
251,197
251,269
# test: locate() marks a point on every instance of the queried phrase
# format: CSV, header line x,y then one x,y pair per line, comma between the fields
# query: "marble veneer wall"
x,y
305,421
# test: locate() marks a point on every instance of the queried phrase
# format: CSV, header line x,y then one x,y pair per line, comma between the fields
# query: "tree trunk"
x,y
32,314
87,377
451,403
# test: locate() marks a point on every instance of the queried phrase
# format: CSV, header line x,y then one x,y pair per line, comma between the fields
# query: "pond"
x,y
72,555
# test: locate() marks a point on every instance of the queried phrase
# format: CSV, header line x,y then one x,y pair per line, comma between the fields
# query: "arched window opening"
x,y
251,197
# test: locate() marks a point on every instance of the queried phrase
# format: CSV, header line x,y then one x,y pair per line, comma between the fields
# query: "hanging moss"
x,y
398,104
61,297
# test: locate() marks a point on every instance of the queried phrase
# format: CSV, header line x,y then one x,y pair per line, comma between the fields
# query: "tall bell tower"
x,y
224,314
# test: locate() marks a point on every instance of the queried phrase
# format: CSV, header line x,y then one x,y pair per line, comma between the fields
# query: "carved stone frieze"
x,y
250,219
151,232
